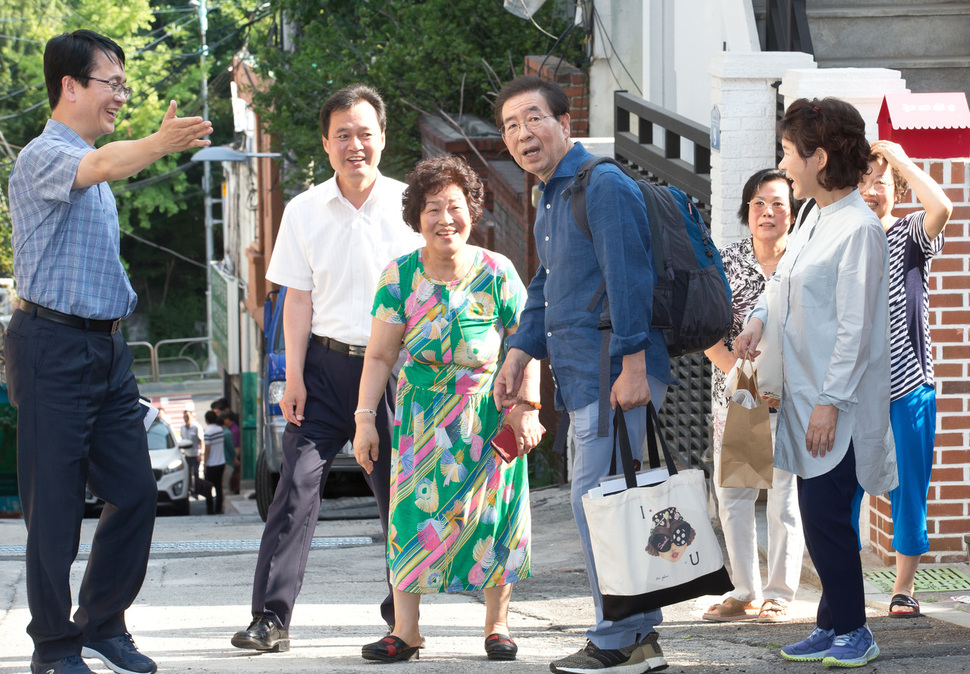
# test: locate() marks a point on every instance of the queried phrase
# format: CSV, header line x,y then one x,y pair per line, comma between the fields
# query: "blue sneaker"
x,y
811,649
70,665
854,649
120,655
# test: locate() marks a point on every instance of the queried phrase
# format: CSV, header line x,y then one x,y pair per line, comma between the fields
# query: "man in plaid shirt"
x,y
69,368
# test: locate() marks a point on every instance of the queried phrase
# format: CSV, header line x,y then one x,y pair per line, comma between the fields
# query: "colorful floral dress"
x,y
459,515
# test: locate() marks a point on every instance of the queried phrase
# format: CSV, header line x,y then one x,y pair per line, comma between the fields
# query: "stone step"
x,y
890,31
921,75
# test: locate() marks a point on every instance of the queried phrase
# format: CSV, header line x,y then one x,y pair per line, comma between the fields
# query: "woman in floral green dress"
x,y
459,515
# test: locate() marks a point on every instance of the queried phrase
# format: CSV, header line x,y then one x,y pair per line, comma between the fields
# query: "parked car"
x,y
171,472
270,456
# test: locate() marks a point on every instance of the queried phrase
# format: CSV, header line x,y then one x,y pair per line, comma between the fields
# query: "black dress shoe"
x,y
500,647
262,635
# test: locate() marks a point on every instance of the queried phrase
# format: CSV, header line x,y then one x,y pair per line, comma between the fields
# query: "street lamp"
x,y
208,155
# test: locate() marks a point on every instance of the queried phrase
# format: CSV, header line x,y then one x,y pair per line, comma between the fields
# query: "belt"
x,y
109,326
340,347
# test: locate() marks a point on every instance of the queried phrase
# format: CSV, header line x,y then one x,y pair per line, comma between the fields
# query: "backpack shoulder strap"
x,y
576,192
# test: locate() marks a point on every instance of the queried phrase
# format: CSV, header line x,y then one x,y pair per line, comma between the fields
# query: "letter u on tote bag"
x,y
653,546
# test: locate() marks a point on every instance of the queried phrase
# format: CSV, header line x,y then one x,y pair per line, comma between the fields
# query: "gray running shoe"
x,y
641,657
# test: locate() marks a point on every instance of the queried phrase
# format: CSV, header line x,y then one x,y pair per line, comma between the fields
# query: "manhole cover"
x,y
939,579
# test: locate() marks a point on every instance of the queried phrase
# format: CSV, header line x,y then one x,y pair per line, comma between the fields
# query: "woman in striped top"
x,y
914,240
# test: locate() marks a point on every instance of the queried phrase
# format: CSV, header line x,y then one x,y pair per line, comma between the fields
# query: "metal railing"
x,y
157,367
663,161
686,412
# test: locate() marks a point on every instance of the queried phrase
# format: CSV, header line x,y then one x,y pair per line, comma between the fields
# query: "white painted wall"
x,y
660,50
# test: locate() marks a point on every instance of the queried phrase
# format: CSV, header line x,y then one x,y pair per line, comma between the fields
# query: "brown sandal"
x,y
732,610
773,611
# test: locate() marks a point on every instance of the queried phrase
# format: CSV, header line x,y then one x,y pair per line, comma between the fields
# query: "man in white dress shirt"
x,y
333,243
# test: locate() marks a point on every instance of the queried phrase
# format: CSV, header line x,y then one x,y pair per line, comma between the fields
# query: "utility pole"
x,y
206,187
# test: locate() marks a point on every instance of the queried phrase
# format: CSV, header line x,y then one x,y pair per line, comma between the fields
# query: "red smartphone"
x,y
504,444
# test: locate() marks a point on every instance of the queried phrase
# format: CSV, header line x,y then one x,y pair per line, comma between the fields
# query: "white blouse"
x,y
834,300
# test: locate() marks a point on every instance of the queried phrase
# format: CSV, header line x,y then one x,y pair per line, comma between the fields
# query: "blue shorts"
x,y
913,418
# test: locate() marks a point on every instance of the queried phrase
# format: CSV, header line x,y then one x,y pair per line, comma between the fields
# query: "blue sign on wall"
x,y
715,129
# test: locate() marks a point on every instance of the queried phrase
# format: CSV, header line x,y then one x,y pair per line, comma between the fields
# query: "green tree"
x,y
163,204
422,55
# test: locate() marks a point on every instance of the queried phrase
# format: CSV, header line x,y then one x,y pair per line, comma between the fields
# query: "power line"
x,y
167,250
598,22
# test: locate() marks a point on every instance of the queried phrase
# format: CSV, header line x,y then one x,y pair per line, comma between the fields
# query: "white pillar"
x,y
862,87
743,96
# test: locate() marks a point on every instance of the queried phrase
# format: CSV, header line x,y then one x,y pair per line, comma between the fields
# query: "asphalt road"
x,y
198,590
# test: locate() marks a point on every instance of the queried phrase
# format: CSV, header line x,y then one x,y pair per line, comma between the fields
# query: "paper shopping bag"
x,y
653,546
746,459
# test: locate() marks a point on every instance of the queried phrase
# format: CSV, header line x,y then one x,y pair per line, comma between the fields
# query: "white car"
x,y
171,471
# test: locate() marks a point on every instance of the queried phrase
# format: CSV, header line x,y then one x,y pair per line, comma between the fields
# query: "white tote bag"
x,y
653,546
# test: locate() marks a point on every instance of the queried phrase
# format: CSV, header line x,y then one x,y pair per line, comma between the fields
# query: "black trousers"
x,y
214,475
826,506
79,421
332,381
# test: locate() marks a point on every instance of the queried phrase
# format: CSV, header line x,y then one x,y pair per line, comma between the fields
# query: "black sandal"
x,y
390,649
500,647
906,601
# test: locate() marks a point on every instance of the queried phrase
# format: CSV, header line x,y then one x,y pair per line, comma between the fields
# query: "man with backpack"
x,y
561,321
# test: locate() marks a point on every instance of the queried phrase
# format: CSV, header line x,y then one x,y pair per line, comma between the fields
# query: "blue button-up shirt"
x,y
556,322
66,242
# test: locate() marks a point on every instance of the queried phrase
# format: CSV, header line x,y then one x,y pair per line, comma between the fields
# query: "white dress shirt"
x,y
834,301
337,252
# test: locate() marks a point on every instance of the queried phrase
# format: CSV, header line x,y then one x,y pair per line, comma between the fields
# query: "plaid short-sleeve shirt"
x,y
66,242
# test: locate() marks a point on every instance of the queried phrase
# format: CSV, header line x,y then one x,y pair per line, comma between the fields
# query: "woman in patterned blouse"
x,y
768,208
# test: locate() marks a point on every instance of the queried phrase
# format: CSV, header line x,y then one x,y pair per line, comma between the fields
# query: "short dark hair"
x,y
211,417
836,127
431,176
900,184
524,84
219,405
754,184
348,97
72,55
228,415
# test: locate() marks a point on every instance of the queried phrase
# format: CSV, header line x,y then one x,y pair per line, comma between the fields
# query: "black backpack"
x,y
691,296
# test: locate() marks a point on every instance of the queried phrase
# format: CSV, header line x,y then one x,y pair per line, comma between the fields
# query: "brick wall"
x,y
948,510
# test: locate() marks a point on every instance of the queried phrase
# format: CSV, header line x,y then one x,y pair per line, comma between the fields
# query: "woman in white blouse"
x,y
834,312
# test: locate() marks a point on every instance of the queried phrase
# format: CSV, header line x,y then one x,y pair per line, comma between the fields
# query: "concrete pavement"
x,y
198,590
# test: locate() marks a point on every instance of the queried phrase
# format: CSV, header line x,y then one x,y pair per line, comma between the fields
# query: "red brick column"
x,y
948,510
573,82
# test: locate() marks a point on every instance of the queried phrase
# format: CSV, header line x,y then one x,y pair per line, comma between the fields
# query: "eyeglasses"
x,y
758,205
877,186
532,123
117,88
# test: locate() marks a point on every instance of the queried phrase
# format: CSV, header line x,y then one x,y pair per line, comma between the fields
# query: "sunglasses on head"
x,y
679,536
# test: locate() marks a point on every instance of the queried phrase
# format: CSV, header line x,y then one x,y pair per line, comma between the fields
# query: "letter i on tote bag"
x,y
653,546
746,459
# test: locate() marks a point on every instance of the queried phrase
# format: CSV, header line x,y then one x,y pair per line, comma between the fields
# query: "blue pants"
x,y
79,421
826,506
332,381
913,418
590,464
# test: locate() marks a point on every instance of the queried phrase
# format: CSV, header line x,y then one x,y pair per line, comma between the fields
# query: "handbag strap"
x,y
655,444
